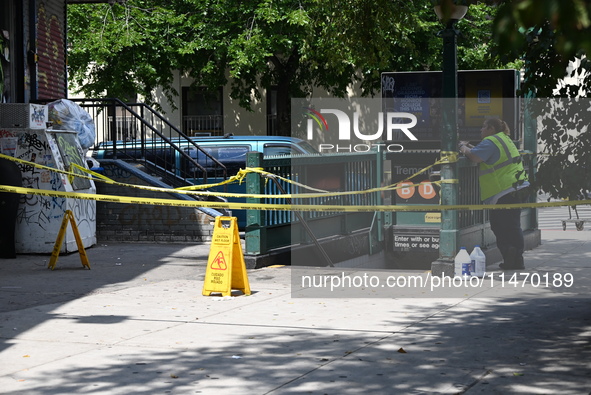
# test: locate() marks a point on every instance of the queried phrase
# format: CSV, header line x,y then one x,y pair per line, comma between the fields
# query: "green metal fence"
x,y
268,230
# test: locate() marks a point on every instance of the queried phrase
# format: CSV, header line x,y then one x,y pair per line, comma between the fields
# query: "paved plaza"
x,y
136,323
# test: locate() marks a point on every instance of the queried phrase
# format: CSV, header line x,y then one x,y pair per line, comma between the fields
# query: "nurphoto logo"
x,y
323,121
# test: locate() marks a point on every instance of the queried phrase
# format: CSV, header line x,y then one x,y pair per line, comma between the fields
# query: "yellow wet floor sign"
x,y
226,269
68,217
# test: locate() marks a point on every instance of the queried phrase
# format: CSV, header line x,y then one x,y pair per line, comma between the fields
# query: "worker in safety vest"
x,y
502,180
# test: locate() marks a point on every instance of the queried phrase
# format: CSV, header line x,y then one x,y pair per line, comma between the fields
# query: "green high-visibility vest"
x,y
505,173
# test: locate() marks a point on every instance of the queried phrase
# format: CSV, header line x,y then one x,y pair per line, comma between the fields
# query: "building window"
x,y
202,111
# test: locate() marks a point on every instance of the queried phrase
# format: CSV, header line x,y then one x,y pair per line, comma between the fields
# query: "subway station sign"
x,y
415,242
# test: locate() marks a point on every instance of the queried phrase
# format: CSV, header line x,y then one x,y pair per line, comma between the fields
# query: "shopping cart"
x,y
582,214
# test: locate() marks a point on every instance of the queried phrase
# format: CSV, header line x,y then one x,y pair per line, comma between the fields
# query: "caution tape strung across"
x,y
447,157
239,177
281,207
183,190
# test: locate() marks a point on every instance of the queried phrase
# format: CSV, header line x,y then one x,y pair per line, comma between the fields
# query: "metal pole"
x,y
448,245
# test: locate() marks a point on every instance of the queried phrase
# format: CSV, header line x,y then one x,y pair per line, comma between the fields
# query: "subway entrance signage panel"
x,y
482,94
226,270
415,242
418,190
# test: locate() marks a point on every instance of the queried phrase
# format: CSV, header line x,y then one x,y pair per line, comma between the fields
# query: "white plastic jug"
x,y
462,263
478,264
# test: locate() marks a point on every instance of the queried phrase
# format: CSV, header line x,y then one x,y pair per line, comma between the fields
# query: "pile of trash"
x,y
67,115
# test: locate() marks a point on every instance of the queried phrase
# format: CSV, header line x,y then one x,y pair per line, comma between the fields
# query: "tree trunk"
x,y
283,108
285,72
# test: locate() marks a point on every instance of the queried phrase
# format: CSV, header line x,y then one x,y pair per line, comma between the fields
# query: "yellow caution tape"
x,y
239,177
105,179
281,207
95,174
448,157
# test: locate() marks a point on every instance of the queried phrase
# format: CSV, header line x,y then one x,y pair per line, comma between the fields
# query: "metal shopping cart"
x,y
582,214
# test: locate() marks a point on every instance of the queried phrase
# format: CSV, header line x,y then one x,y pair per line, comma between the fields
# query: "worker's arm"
x,y
467,151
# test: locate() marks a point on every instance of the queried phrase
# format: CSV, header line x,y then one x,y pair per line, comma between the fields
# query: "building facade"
x,y
33,61
202,112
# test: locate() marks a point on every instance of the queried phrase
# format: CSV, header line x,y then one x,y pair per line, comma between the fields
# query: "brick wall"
x,y
124,222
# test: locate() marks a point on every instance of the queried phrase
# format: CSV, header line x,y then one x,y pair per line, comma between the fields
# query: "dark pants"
x,y
506,225
10,174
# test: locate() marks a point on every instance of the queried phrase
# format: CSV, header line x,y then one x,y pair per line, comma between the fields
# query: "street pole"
x,y
449,11
448,242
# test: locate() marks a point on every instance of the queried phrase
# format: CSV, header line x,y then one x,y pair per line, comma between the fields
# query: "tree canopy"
x,y
554,38
129,49
120,50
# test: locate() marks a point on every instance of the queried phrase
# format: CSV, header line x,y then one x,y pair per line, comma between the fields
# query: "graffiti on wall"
x,y
71,152
85,214
34,209
6,133
39,217
44,211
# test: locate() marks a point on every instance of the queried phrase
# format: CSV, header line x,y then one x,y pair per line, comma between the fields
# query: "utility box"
x,y
24,115
40,216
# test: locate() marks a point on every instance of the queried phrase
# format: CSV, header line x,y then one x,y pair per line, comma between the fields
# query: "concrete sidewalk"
x,y
137,324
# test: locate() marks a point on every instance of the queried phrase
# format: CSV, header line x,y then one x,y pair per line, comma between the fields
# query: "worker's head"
x,y
493,126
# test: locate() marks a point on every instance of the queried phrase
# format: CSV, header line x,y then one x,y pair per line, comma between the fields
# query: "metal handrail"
x,y
103,103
